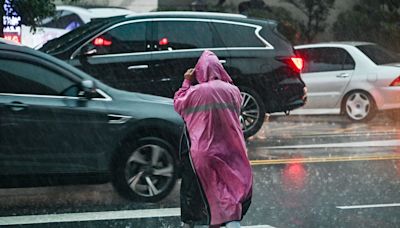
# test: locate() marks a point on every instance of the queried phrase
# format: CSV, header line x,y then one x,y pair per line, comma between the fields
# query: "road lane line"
x,y
324,159
378,143
89,216
97,216
369,206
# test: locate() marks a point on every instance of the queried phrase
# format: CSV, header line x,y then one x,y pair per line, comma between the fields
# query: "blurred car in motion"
x,y
357,79
7,41
150,52
56,120
66,18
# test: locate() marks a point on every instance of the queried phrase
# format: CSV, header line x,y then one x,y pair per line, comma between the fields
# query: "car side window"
x,y
234,35
127,38
326,59
21,77
348,63
175,35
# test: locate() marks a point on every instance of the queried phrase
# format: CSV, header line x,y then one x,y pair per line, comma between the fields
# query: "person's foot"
x,y
233,224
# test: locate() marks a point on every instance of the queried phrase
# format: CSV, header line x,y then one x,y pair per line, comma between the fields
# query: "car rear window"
x,y
379,55
235,35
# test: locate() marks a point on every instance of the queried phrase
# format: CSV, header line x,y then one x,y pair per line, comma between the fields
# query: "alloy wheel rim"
x,y
149,170
249,112
358,106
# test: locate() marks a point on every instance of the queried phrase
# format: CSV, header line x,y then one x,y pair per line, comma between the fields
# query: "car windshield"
x,y
64,41
379,55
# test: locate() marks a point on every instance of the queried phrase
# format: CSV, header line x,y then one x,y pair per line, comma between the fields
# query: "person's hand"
x,y
189,75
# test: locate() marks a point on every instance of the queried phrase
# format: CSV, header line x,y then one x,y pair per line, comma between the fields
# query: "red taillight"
x,y
99,41
298,63
163,41
396,82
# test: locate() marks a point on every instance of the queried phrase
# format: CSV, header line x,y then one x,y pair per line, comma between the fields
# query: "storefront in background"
x,y
11,23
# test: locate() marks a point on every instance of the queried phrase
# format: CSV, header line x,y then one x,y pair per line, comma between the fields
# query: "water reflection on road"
x,y
319,137
309,172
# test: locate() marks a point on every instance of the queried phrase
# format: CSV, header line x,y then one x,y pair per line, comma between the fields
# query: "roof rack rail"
x,y
188,13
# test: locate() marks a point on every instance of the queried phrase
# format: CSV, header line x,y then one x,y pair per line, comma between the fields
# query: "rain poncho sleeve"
x,y
217,147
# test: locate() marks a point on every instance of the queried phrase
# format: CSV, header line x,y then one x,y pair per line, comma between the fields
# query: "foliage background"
x,y
32,11
371,20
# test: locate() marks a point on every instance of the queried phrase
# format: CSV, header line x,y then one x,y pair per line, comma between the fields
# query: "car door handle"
x,y
165,79
222,61
17,106
136,67
343,75
118,119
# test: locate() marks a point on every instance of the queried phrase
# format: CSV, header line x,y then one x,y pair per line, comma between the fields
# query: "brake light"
x,y
396,82
163,41
298,63
99,41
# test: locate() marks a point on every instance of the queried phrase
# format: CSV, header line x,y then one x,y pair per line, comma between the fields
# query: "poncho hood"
x,y
209,68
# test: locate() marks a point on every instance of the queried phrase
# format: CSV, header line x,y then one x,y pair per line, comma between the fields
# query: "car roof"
x,y
333,44
108,12
96,12
198,15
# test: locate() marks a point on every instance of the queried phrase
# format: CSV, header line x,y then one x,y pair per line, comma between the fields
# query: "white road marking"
x,y
378,143
258,226
97,216
369,206
89,216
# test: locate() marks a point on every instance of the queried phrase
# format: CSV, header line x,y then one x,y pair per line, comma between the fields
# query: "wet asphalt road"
x,y
309,172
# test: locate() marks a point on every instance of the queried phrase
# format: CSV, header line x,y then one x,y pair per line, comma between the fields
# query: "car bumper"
x,y
389,98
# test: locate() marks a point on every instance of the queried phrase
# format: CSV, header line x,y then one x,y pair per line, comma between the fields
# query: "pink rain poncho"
x,y
218,153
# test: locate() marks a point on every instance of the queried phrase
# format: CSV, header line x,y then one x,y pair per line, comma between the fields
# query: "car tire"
x,y
252,112
145,170
359,106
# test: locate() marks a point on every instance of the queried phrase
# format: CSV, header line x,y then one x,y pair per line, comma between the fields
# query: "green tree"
x,y
287,25
32,11
316,13
373,21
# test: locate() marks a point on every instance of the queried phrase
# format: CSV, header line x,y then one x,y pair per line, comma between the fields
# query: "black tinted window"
x,y
25,78
172,35
233,35
379,55
325,59
122,39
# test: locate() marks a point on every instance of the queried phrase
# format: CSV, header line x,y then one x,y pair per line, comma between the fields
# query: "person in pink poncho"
x,y
217,179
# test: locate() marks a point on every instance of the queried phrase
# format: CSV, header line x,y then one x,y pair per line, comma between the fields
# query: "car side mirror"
x,y
88,89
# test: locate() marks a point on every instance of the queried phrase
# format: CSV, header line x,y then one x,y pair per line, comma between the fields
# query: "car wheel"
x,y
145,170
252,113
359,106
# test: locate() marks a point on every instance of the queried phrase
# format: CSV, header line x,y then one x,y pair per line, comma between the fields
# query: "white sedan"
x,y
357,79
66,19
